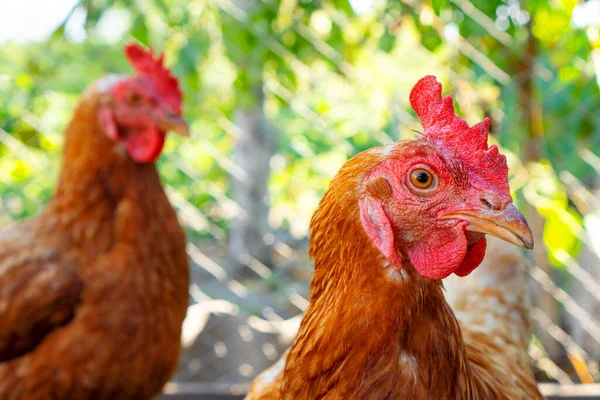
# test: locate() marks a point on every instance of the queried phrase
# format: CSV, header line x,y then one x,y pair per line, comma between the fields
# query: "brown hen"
x,y
93,291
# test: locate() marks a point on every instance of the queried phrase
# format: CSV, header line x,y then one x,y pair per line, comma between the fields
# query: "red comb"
x,y
450,132
146,65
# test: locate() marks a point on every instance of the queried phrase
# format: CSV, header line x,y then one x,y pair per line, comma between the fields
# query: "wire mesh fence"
x,y
242,318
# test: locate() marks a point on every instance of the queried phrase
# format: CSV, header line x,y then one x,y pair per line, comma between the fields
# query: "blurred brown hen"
x,y
93,291
393,223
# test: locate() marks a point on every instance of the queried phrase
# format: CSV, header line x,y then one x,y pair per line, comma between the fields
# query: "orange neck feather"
x,y
370,331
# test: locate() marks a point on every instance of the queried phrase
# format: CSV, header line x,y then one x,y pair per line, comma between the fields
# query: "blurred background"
x,y
279,94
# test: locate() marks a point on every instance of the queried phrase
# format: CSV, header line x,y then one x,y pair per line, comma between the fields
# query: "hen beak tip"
x,y
176,125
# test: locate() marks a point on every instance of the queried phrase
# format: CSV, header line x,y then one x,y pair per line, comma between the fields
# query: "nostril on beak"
x,y
491,201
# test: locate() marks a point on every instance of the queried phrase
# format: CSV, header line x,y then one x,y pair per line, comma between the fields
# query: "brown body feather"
x,y
95,287
375,332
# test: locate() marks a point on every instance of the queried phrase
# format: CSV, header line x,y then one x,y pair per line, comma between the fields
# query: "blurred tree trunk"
x,y
590,262
255,142
254,148
531,112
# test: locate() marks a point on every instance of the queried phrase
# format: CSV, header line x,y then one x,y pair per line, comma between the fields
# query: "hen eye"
x,y
421,178
134,99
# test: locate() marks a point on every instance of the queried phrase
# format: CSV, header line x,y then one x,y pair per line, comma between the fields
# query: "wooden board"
x,y
223,391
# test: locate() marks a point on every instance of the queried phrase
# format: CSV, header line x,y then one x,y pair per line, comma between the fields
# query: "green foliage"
x,y
438,5
563,224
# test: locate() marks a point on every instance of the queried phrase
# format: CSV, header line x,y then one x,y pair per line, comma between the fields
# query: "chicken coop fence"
x,y
248,245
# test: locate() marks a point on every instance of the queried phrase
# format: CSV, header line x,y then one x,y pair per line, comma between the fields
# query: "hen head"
x,y
138,110
432,200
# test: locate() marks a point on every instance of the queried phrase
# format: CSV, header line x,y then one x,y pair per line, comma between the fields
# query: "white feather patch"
x,y
103,85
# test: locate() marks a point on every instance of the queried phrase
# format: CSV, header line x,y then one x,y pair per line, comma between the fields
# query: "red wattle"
x,y
145,146
472,259
440,254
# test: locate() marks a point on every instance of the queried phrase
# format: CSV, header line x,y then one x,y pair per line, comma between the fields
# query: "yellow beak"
x,y
176,125
507,224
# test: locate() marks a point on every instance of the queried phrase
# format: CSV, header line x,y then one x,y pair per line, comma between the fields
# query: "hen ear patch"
x,y
380,188
375,221
107,121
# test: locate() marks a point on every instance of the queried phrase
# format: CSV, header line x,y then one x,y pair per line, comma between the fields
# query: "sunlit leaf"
x,y
140,31
438,5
